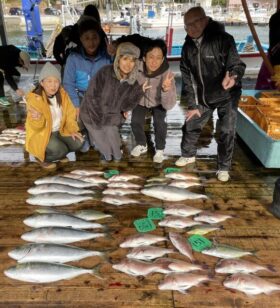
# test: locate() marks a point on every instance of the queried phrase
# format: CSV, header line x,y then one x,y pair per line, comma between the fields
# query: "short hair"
x,y
196,9
89,24
156,43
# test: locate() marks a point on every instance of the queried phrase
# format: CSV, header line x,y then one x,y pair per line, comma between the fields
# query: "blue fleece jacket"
x,y
79,70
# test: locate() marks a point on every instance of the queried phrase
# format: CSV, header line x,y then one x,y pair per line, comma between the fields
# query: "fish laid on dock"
x,y
182,245
182,281
118,200
147,253
123,185
180,266
250,284
178,222
87,172
124,177
169,193
60,220
56,199
182,176
181,210
59,235
225,251
51,188
212,217
42,272
137,240
49,252
63,181
232,266
204,229
184,184
139,268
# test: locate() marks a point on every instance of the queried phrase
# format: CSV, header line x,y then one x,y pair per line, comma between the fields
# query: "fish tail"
x,y
271,268
95,272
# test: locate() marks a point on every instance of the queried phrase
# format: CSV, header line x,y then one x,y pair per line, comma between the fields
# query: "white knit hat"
x,y
25,57
49,70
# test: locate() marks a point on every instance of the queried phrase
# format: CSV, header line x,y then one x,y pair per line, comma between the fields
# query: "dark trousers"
x,y
2,93
59,146
226,125
160,126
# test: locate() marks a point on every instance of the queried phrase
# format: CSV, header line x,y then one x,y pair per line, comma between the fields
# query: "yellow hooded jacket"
x,y
38,132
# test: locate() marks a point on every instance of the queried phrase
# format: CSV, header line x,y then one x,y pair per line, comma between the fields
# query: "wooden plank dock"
x,y
246,196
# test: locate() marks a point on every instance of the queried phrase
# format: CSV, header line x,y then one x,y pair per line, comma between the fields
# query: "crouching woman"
x,y
112,92
51,127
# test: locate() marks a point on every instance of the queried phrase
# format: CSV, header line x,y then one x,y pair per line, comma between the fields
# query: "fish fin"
x,y
95,272
254,253
271,268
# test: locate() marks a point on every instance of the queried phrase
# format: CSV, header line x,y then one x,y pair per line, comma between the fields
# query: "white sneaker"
x,y
183,161
223,176
138,150
158,157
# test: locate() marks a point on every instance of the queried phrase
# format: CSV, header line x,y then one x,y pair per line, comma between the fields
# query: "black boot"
x,y
274,208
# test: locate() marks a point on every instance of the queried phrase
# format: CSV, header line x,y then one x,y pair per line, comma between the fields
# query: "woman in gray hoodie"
x,y
160,97
112,92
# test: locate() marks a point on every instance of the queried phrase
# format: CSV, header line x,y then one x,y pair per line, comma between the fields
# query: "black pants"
x,y
59,146
226,124
2,93
160,126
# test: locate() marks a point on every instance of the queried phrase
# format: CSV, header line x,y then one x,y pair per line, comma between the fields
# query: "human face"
x,y
195,23
50,85
153,59
90,41
126,65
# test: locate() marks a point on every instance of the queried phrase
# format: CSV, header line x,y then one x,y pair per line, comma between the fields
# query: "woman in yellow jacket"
x,y
51,127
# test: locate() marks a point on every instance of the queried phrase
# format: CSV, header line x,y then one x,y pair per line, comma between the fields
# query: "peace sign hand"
x,y
167,83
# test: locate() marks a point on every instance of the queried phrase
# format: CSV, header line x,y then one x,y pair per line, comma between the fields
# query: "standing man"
x,y
211,79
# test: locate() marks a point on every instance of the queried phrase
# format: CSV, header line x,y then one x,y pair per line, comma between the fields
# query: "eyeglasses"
x,y
193,23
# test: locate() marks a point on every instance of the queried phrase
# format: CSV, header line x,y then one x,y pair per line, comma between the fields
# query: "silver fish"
x,y
59,235
123,185
64,181
183,184
124,177
232,266
12,131
139,268
94,180
180,266
118,200
211,217
157,179
49,188
56,199
182,281
203,229
181,210
148,252
169,193
177,222
86,214
87,172
42,272
181,243
137,240
51,253
59,220
250,284
120,191
19,141
225,251
6,142
182,176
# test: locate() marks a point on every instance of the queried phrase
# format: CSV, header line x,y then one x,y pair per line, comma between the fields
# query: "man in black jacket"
x,y
211,79
10,58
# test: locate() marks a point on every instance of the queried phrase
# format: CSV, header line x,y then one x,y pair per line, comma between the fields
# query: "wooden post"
x,y
256,38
